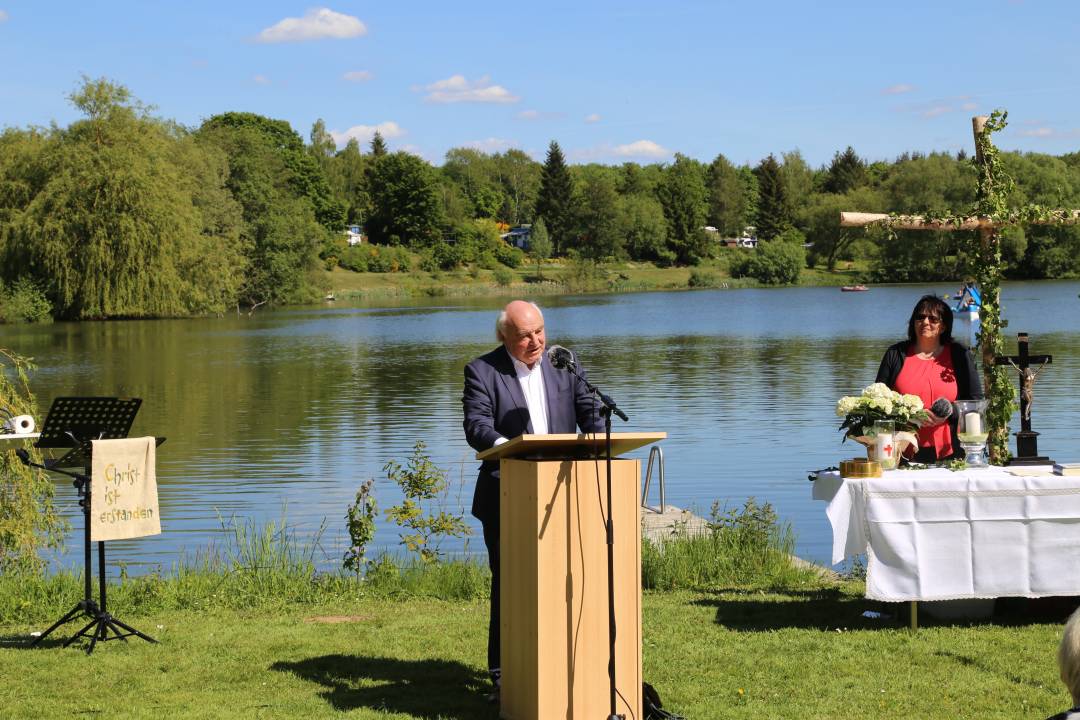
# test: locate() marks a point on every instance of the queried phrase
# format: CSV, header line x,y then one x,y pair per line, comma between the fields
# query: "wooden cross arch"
x,y
987,228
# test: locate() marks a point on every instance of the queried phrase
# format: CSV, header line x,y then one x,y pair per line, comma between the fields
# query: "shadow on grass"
x,y
422,688
829,608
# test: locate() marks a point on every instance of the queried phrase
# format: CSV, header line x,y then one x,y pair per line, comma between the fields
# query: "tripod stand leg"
x,y
131,630
81,633
71,614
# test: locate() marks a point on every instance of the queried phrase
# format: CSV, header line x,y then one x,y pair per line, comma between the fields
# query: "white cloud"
x,y
363,133
898,89
529,115
1039,132
593,118
261,80
357,76
642,148
490,145
936,110
456,88
3,16
317,24
969,106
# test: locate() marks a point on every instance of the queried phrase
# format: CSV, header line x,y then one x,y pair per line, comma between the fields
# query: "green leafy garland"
x,y
984,252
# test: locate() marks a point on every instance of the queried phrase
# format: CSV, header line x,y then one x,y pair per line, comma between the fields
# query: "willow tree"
x,y
114,229
28,520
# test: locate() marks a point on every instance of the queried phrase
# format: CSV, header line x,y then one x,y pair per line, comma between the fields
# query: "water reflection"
x,y
294,409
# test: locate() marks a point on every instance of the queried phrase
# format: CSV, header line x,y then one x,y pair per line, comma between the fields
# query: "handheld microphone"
x,y
942,408
561,358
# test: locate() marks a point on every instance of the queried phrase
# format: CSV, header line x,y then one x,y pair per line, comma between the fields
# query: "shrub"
x,y
702,279
376,259
775,262
504,276
24,301
361,525
421,481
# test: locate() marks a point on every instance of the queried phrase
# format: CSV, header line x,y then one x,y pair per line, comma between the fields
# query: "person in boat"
x,y
969,297
933,366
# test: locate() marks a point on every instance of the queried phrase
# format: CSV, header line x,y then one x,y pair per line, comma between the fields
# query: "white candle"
x,y
972,424
883,446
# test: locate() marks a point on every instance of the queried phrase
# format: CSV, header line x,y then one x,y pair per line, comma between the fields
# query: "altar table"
x,y
935,534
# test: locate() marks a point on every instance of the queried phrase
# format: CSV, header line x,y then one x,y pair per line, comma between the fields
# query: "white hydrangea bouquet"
x,y
878,403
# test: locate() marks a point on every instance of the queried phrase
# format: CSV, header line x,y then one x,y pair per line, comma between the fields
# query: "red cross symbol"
x,y
888,449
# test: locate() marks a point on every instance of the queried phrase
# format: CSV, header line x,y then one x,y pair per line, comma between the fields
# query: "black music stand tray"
x,y
72,423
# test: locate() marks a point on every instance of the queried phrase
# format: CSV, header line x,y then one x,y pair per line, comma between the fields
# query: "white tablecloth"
x,y
978,533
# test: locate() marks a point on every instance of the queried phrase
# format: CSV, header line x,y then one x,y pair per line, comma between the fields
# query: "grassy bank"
x,y
256,632
556,278
719,653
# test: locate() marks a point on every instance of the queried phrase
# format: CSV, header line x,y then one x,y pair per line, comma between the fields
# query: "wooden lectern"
x,y
553,568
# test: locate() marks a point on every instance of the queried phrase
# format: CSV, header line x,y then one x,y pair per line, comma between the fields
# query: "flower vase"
x,y
882,447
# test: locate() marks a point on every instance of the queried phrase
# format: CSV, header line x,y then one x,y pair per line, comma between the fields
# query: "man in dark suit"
x,y
510,391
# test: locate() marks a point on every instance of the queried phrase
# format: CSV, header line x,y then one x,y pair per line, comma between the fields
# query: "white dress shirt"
x,y
532,387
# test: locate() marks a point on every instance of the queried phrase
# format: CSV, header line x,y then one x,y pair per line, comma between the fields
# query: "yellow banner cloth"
x,y
123,489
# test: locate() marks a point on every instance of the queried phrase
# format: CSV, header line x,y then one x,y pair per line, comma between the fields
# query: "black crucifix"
x,y
1027,451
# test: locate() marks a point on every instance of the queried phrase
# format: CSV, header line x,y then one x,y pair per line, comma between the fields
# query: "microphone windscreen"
x,y
942,408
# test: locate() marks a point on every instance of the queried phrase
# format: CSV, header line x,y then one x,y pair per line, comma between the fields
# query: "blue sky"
x,y
610,81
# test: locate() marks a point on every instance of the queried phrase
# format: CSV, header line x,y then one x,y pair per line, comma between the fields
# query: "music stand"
x,y
73,423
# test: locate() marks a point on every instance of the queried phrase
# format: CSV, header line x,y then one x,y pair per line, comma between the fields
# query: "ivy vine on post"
x,y
984,253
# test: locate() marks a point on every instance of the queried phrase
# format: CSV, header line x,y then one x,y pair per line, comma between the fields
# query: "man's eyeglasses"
x,y
932,319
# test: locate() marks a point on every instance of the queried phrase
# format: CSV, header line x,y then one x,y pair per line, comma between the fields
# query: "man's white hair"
x,y
1069,656
500,322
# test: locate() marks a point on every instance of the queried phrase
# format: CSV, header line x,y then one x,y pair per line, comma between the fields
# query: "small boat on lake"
x,y
968,302
854,288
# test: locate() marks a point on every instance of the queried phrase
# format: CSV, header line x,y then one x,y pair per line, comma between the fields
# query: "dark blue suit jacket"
x,y
495,406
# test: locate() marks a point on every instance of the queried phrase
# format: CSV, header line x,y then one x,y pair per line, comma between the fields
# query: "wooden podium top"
x,y
569,445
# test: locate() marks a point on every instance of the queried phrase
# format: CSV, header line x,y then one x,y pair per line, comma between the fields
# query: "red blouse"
x,y
930,380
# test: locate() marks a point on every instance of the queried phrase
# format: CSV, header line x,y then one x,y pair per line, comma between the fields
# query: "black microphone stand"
x,y
608,407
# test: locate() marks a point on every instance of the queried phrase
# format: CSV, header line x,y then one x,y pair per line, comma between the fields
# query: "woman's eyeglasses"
x,y
932,319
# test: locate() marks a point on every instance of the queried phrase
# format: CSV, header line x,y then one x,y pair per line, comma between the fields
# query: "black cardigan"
x,y
968,383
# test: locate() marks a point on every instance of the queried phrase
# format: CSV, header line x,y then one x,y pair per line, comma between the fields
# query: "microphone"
x,y
942,408
561,358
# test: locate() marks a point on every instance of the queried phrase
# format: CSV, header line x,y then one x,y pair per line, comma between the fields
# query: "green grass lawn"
x,y
723,653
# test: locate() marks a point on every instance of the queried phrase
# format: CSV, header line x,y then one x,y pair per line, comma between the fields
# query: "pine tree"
x,y
846,172
773,213
555,203
378,145
727,199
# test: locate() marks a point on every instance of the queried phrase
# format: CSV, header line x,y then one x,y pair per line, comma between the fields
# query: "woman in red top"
x,y
933,366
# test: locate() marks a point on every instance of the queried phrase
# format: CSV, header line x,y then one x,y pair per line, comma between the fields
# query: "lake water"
x,y
287,412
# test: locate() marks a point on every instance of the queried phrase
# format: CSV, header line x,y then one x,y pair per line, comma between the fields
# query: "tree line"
x,y
124,214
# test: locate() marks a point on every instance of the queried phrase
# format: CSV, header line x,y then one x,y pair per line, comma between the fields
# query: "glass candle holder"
x,y
883,446
972,430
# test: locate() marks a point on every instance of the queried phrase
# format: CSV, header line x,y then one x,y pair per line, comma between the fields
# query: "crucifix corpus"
x,y
1027,446
988,215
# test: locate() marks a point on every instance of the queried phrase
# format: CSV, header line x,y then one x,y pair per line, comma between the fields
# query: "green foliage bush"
x,y
360,517
504,276
703,279
376,259
775,262
423,484
24,301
